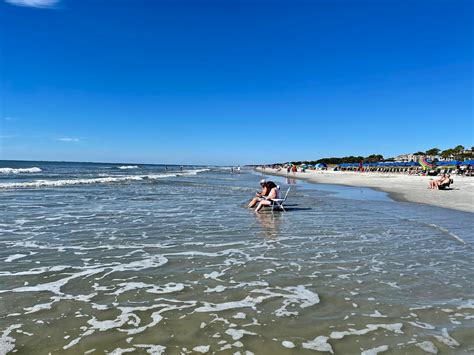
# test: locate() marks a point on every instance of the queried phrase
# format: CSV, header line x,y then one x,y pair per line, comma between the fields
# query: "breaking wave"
x,y
101,180
19,170
125,167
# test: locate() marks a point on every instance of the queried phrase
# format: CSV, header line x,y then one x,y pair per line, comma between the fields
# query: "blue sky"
x,y
233,82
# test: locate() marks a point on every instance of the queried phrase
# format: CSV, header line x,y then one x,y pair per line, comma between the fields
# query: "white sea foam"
x,y
427,346
14,257
467,305
445,338
422,325
64,182
375,351
288,344
201,349
319,343
152,349
376,314
55,286
19,170
292,296
125,167
156,289
120,351
237,334
101,180
396,328
196,171
7,343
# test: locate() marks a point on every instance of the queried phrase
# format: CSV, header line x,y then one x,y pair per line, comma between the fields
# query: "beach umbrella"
x,y
448,163
426,164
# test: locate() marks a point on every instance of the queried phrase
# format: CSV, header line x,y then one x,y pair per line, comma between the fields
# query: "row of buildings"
x,y
415,157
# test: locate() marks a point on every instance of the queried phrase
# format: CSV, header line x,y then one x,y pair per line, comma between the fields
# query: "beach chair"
x,y
278,202
446,186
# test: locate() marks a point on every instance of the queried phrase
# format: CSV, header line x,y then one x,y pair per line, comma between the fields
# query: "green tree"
x,y
447,153
374,158
433,151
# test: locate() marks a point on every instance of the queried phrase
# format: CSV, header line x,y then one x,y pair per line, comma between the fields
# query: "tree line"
x,y
458,153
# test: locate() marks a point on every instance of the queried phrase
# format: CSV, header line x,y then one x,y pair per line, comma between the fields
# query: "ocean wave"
x,y
195,172
19,170
125,167
101,180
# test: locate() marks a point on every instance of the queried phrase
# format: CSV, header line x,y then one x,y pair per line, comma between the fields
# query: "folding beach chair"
x,y
278,202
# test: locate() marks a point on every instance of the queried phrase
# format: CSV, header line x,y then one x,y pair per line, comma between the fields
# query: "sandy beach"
x,y
404,188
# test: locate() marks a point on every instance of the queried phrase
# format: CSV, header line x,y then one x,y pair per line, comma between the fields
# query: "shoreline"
x,y
399,187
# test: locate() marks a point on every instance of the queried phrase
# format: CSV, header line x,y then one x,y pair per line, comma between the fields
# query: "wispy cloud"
x,y
10,118
68,139
34,3
6,136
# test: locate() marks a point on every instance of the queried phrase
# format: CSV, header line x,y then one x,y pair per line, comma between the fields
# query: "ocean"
x,y
132,258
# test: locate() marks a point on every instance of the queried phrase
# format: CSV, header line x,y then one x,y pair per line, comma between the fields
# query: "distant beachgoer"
x,y
288,169
238,169
259,195
266,201
181,168
231,169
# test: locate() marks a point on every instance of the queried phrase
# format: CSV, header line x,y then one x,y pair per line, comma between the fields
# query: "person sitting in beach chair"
x,y
435,182
445,183
267,200
442,183
260,195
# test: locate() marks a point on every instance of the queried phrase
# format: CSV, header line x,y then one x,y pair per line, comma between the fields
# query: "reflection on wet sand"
x,y
270,223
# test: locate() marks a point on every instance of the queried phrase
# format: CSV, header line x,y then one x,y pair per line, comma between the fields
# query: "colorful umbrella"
x,y
426,164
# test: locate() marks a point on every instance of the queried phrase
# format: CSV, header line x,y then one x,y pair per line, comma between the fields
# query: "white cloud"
x,y
10,118
34,3
69,139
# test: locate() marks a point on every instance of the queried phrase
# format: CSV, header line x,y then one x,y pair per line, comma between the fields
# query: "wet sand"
x,y
404,188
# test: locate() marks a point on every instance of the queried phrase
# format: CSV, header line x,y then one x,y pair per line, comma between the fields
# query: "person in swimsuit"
x,y
266,201
259,195
436,182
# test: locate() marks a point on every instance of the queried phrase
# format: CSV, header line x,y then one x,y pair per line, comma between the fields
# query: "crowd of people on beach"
x,y
269,192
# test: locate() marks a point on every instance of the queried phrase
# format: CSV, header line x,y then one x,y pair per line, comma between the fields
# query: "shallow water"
x,y
172,262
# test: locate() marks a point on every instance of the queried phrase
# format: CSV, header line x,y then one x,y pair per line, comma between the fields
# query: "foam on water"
x,y
20,170
427,346
7,343
375,351
100,180
14,257
396,328
319,343
126,167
